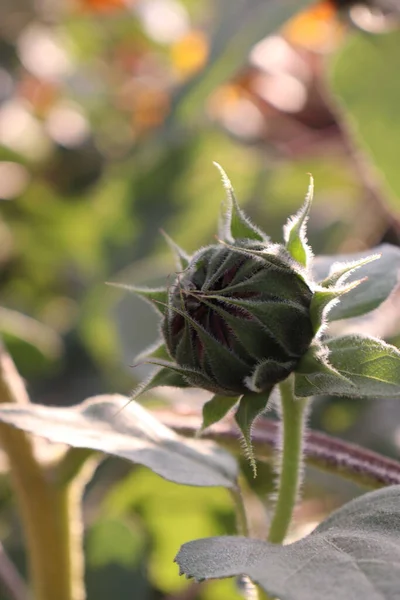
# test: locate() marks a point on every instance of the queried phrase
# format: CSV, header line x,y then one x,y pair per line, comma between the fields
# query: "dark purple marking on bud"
x,y
255,306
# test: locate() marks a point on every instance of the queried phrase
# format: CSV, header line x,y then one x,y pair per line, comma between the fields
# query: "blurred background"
x,y
111,113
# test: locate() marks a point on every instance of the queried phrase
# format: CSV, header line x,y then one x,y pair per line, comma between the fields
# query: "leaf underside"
x,y
355,553
382,278
115,425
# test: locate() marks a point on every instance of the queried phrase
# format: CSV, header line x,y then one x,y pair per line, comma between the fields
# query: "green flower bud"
x,y
243,314
239,316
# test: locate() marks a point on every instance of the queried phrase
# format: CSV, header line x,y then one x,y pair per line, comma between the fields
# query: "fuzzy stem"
x,y
291,461
253,592
50,513
335,456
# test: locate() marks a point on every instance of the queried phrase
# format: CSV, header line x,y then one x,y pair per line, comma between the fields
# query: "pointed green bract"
x,y
182,259
157,350
251,406
339,271
274,255
233,222
316,361
286,322
267,371
157,297
165,376
229,367
324,299
187,376
215,409
295,231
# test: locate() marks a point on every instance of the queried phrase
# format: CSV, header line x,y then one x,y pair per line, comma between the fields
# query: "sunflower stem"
x,y
291,463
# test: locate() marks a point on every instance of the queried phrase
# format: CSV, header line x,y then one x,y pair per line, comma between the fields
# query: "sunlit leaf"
x,y
370,365
111,425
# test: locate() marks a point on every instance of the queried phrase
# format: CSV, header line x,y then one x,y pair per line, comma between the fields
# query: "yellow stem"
x,y
50,513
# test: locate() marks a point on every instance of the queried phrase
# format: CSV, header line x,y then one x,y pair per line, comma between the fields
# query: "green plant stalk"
x,y
50,513
291,465
331,455
242,526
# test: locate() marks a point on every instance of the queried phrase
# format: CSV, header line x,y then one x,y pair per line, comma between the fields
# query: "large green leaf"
x,y
369,368
355,553
382,277
111,425
365,79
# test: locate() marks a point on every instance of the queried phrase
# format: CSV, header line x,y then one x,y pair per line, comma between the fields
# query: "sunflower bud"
x,y
243,314
239,316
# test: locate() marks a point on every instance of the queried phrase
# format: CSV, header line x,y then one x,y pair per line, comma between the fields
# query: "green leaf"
x,y
295,231
114,425
233,222
215,409
370,365
382,278
250,407
365,79
158,297
355,553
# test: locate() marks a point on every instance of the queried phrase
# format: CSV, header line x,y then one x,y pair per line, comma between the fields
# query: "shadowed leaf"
x,y
215,409
382,278
355,553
